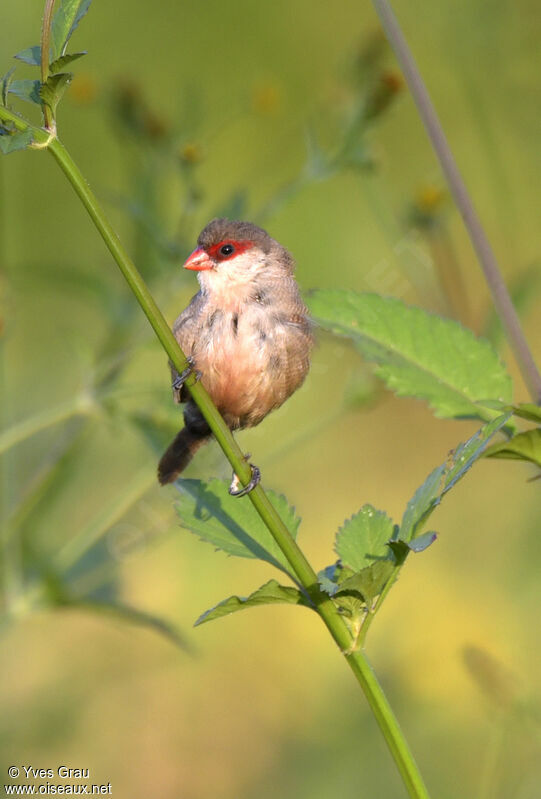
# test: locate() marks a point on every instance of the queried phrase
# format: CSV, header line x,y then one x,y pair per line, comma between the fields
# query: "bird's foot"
x,y
255,479
181,378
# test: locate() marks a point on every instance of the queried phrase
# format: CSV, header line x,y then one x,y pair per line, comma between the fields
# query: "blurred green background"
x,y
180,112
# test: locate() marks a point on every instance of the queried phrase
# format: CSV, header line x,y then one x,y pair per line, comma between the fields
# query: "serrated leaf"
x,y
230,524
27,90
60,63
12,142
364,537
524,446
32,56
52,91
272,593
64,23
529,411
370,581
444,477
417,353
4,85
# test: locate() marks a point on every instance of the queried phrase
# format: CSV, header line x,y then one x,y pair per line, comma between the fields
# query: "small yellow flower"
x,y
191,153
429,199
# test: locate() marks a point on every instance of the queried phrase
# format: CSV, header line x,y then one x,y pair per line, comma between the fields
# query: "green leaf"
x,y
418,354
340,581
64,23
401,548
423,541
11,142
444,477
60,63
27,90
32,56
422,503
230,524
524,446
529,411
272,593
4,86
370,581
466,454
51,92
364,537
328,578
350,605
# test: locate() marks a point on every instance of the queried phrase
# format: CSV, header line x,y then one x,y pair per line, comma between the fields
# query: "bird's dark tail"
x,y
185,444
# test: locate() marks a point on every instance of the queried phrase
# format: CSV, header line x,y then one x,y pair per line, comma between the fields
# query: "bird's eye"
x,y
226,250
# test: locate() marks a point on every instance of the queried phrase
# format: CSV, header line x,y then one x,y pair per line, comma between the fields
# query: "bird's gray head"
x,y
233,247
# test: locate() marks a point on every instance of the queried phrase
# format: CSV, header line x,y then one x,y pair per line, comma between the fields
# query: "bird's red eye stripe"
x,y
228,248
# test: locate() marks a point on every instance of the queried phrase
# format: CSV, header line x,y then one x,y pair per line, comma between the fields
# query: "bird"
x,y
246,333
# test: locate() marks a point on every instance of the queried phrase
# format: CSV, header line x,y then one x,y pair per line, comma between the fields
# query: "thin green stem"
x,y
481,244
296,558
45,53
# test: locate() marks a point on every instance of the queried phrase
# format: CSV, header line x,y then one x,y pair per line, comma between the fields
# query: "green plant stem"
x,y
300,566
481,244
388,724
45,50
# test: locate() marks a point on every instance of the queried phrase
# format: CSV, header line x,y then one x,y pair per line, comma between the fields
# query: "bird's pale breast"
x,y
251,361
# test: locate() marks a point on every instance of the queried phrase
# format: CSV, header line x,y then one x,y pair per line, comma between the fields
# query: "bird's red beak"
x,y
198,261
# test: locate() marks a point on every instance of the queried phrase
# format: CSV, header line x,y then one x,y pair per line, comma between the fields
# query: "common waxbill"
x,y
246,333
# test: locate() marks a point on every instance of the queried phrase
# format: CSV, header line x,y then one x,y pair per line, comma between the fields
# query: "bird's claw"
x,y
181,378
234,489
